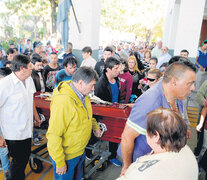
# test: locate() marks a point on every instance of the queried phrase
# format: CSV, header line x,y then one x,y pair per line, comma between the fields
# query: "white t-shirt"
x,y
16,107
41,82
164,166
90,62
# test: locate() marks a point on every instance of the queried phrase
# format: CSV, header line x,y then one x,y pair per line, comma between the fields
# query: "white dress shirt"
x,y
16,107
164,58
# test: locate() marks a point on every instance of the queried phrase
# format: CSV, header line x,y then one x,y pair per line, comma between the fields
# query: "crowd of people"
x,y
147,77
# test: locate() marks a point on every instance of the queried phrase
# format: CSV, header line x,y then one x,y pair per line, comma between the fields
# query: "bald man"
x,y
164,58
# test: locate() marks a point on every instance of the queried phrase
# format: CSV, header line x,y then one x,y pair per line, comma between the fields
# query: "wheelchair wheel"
x,y
36,165
102,167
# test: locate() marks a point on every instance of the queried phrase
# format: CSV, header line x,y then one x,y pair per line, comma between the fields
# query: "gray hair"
x,y
86,74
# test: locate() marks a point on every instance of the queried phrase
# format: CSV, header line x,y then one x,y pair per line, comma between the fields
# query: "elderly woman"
x,y
170,158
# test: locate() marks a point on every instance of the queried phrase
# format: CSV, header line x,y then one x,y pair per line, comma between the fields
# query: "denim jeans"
x,y
35,134
74,171
204,147
4,156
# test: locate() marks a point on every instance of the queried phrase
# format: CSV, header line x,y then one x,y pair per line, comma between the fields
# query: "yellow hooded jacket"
x,y
70,125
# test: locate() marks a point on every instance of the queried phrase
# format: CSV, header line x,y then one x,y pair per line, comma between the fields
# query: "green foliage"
x,y
30,10
5,44
28,7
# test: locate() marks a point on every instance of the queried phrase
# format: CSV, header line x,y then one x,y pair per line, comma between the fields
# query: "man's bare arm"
x,y
127,146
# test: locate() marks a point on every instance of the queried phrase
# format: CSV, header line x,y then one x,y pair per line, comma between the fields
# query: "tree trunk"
x,y
148,35
53,15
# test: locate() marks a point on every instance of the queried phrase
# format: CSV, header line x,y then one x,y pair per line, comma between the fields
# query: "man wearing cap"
x,y
201,64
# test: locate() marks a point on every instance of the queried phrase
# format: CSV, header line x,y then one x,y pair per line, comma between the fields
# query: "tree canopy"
x,y
143,18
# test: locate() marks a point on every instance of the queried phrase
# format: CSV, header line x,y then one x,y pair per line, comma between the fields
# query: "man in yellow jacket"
x,y
71,123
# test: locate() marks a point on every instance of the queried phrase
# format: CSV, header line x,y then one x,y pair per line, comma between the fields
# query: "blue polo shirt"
x,y
202,58
147,102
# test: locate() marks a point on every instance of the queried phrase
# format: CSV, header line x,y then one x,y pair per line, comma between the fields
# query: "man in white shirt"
x,y
87,59
156,51
16,114
164,58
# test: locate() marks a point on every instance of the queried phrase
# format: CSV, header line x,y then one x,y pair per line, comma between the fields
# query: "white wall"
x,y
167,22
88,15
189,26
173,25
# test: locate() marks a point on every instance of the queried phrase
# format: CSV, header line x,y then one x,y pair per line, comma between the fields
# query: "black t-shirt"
x,y
49,76
99,67
136,76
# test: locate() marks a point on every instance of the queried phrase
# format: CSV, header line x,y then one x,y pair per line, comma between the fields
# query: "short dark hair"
x,y
19,61
164,64
123,61
170,126
15,49
36,58
87,49
154,58
108,49
87,74
176,59
36,55
10,51
111,62
177,69
7,62
184,50
69,60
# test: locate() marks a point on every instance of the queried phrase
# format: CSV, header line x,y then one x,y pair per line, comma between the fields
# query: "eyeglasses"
x,y
150,79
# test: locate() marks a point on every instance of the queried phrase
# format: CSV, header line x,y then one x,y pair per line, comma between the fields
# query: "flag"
x,y
62,21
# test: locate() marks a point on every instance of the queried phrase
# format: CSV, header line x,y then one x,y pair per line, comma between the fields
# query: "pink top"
x,y
125,89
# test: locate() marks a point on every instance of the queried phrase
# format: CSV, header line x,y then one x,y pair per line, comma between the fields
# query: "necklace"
x,y
174,107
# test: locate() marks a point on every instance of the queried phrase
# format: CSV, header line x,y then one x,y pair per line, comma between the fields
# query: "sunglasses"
x,y
150,79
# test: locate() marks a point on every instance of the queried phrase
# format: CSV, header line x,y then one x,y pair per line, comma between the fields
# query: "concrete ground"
x,y
112,172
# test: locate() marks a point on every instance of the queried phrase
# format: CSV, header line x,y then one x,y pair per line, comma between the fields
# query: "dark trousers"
x,y
113,148
20,151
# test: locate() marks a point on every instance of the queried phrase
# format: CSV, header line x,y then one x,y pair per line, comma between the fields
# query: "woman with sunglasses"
x,y
153,76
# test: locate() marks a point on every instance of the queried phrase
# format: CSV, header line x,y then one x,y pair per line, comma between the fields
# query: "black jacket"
x,y
36,79
103,88
99,67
